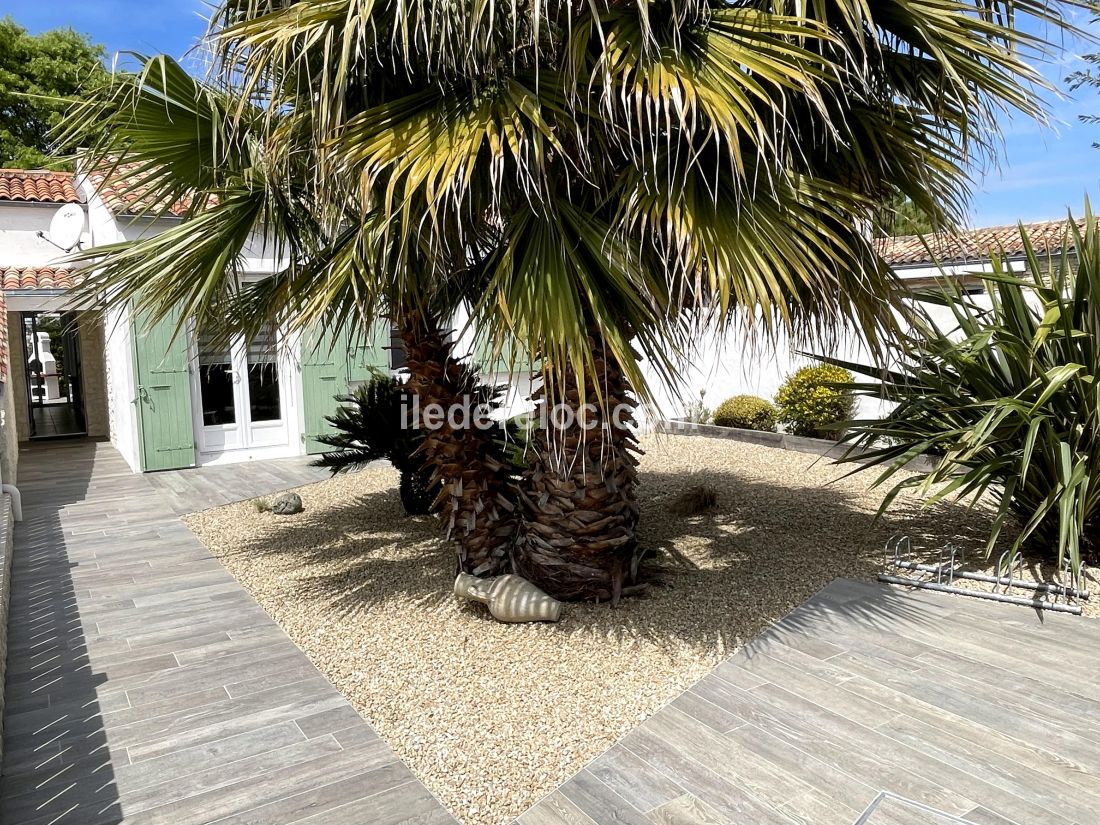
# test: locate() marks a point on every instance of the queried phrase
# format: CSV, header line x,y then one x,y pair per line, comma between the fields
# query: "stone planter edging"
x,y
782,441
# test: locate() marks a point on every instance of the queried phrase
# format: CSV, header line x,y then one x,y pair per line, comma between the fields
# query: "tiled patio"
x,y
147,686
200,488
948,708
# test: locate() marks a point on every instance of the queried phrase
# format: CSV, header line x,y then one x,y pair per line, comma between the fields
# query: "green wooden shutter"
x,y
368,355
505,361
331,364
324,376
163,378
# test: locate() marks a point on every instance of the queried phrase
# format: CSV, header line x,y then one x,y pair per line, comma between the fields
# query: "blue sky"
x,y
1042,171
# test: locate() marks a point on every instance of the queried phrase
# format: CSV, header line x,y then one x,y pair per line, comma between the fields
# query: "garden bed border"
x,y
781,441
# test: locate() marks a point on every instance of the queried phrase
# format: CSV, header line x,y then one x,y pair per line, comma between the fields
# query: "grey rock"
x,y
286,504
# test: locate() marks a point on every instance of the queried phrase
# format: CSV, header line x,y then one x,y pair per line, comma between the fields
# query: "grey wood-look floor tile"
x,y
687,810
960,704
125,635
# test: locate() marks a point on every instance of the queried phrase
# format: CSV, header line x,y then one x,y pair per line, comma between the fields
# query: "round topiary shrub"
x,y
747,412
809,403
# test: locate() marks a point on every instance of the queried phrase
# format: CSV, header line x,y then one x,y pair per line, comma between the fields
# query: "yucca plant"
x,y
1008,393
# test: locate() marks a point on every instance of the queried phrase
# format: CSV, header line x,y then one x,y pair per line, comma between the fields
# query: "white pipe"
x,y
16,500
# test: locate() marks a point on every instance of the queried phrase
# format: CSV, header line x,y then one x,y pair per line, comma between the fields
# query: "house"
x,y
165,401
38,324
753,366
168,401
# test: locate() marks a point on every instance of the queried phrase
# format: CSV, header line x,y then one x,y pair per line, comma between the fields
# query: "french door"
x,y
240,397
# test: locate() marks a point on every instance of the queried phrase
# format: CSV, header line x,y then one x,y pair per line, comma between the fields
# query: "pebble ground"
x,y
492,716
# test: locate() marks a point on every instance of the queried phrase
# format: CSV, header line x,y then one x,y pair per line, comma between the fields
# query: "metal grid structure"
x,y
899,566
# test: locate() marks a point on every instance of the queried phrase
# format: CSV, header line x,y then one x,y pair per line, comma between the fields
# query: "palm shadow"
x,y
716,580
359,554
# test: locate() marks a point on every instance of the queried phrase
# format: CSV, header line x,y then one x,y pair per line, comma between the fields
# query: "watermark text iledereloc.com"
x,y
472,413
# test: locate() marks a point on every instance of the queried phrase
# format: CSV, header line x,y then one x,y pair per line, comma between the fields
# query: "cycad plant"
x,y
593,178
1008,393
369,427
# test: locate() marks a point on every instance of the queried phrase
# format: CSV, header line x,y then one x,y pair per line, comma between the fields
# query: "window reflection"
x,y
264,403
216,381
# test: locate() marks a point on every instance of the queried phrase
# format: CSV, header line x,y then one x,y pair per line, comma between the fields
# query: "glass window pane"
x,y
264,403
397,349
216,382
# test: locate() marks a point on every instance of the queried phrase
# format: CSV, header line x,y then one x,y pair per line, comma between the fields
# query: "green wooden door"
x,y
324,377
331,365
163,379
511,358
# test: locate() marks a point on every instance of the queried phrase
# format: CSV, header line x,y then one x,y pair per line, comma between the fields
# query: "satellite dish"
x,y
66,226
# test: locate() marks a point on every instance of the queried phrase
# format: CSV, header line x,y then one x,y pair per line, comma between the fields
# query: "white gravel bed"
x,y
490,716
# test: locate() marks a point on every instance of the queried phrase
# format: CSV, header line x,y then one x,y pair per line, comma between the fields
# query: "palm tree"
x,y
603,176
165,139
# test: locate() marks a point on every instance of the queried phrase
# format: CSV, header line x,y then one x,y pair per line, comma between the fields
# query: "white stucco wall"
x,y
121,397
736,365
118,359
20,245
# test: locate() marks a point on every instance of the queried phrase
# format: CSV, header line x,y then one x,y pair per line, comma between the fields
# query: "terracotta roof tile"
x,y
973,245
37,186
38,277
122,190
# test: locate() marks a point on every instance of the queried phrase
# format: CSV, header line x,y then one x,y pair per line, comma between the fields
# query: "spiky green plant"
x,y
1008,392
374,423
377,422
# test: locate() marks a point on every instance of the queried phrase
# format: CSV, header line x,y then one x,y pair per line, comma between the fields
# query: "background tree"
x,y
40,75
900,216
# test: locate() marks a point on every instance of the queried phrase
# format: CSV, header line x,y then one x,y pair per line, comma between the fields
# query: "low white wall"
x,y
6,525
736,365
9,436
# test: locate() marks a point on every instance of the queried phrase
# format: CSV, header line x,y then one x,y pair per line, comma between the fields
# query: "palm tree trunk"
x,y
477,497
579,501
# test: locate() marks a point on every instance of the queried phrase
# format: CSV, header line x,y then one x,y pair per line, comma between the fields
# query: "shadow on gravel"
x,y
716,580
